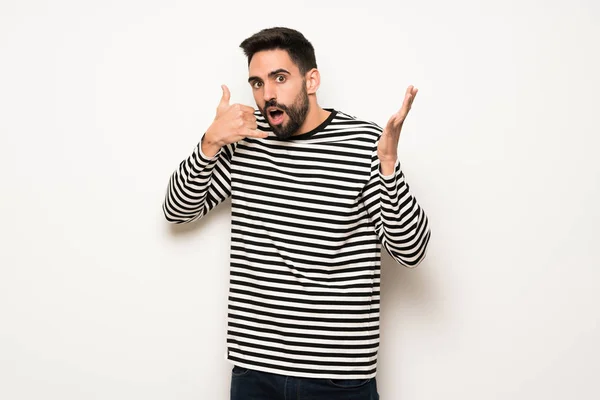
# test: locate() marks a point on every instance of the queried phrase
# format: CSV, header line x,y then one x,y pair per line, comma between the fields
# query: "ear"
x,y
313,81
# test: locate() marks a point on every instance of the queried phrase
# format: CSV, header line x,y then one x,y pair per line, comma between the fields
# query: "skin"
x,y
387,148
276,80
274,77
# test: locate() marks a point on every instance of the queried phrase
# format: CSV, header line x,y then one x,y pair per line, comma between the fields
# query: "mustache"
x,y
273,103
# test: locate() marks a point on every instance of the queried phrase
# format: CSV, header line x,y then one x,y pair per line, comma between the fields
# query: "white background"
x,y
100,298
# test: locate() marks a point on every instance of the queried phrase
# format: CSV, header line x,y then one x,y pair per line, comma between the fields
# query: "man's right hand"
x,y
231,124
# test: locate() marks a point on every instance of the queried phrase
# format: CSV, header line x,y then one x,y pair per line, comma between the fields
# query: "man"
x,y
315,194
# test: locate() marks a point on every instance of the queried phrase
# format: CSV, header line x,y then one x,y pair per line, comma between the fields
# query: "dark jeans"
x,y
248,384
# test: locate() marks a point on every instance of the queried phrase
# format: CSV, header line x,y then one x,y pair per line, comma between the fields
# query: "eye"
x,y
256,84
280,80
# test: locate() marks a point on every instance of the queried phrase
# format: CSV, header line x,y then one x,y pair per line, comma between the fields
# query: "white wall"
x,y
99,101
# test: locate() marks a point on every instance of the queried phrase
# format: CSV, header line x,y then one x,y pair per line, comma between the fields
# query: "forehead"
x,y
267,61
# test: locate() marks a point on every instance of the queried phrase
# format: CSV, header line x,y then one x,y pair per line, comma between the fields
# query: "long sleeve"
x,y
198,185
400,222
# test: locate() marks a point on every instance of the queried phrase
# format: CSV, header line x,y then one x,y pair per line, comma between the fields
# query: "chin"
x,y
283,135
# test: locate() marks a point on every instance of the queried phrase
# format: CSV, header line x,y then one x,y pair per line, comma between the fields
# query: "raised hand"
x,y
232,123
387,149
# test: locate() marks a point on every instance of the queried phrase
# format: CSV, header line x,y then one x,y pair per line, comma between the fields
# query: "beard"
x,y
296,115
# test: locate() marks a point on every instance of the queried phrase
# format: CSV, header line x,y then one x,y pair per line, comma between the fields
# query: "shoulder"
x,y
366,128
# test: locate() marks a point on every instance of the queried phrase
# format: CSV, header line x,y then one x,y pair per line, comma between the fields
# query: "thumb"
x,y
225,98
391,122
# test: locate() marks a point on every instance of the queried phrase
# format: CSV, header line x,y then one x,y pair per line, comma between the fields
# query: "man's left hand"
x,y
387,149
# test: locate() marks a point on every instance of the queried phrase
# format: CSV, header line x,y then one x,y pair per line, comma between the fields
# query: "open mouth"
x,y
275,116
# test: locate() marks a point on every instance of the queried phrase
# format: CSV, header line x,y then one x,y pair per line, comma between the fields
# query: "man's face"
x,y
279,91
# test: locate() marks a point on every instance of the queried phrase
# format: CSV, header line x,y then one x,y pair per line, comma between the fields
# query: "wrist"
x,y
387,167
209,146
389,157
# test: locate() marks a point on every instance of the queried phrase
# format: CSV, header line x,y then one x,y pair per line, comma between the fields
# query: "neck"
x,y
315,117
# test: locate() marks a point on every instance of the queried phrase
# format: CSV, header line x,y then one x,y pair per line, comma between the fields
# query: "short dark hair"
x,y
301,51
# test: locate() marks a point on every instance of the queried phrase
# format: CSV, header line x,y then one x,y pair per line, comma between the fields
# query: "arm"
x,y
198,185
203,180
400,223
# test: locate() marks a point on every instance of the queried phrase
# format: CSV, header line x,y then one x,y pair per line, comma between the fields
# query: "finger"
x,y
409,100
256,133
391,122
409,91
225,97
399,118
406,102
413,95
412,91
251,124
249,117
246,109
412,98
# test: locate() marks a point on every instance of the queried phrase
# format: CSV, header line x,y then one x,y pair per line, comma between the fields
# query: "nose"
x,y
269,92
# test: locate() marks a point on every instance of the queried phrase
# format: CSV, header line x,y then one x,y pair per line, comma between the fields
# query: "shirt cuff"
x,y
390,178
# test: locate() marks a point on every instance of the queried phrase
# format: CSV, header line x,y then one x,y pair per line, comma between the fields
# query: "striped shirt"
x,y
310,215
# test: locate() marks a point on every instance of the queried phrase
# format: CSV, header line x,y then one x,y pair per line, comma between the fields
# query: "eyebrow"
x,y
271,74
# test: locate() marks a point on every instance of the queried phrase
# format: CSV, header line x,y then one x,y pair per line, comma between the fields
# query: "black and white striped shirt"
x,y
309,217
